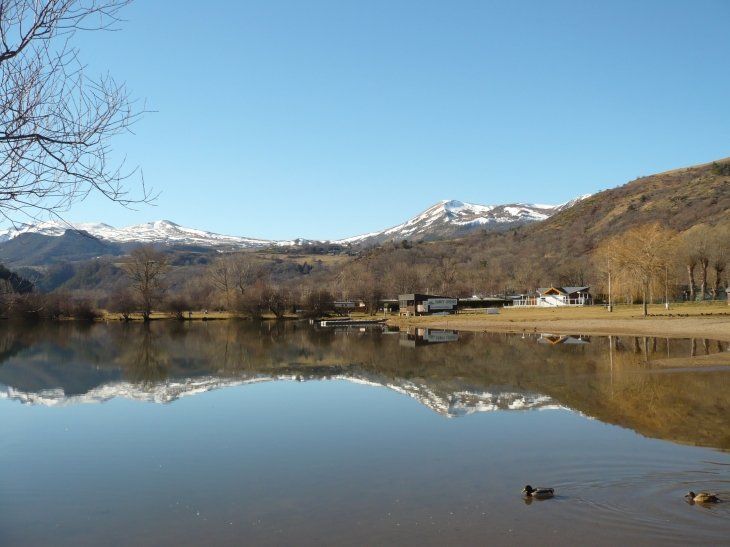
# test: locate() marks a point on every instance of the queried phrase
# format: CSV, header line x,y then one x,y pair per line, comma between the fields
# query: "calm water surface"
x,y
279,434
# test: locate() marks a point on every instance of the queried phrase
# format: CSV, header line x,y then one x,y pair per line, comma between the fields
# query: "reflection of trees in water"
x,y
229,353
145,363
611,379
652,348
10,346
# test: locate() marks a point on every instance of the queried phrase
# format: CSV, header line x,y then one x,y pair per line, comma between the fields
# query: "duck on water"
x,y
539,493
703,497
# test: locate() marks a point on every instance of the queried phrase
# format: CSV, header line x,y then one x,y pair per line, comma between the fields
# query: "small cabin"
x,y
426,304
551,297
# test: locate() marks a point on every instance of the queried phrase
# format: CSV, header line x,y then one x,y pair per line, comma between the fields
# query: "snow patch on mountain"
x,y
159,231
448,218
452,217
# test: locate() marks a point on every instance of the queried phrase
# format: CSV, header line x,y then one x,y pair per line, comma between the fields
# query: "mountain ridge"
x,y
445,219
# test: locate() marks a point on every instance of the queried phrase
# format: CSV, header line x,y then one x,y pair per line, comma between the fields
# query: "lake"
x,y
275,434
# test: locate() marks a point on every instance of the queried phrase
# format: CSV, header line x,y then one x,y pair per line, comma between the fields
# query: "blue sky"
x,y
330,119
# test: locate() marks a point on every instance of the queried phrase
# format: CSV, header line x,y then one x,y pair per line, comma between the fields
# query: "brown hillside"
x,y
558,250
680,199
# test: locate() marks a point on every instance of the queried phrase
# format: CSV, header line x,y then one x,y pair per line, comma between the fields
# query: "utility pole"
x,y
610,305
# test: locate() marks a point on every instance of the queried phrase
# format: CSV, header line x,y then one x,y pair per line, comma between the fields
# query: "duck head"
x,y
690,495
528,489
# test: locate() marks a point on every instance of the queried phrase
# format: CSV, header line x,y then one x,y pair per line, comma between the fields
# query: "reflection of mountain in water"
x,y
610,378
450,404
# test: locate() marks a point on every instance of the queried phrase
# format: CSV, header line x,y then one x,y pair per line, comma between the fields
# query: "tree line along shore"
x,y
645,265
662,237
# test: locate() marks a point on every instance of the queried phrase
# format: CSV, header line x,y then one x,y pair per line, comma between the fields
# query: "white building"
x,y
552,297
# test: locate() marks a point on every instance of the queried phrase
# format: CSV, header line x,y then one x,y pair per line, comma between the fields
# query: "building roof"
x,y
563,290
571,290
419,296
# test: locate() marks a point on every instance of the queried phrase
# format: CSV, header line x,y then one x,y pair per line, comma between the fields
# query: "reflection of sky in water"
x,y
333,463
360,453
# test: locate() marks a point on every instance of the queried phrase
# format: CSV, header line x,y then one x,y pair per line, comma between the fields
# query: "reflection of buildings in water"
x,y
422,337
163,362
366,329
563,339
350,330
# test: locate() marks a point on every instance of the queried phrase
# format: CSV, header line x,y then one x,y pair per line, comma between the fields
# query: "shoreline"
x,y
681,327
704,321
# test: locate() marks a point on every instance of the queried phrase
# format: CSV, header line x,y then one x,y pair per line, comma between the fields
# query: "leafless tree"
x,y
573,274
56,122
641,255
255,301
319,301
351,278
720,257
200,292
233,273
687,255
58,304
7,294
84,310
245,274
371,293
220,272
177,307
448,272
123,302
146,267
701,237
402,279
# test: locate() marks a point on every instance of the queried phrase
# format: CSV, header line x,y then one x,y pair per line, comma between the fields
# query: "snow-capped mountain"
x,y
446,219
159,231
451,218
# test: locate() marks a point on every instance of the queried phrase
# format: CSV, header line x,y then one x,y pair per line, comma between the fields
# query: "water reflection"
x,y
563,339
412,338
455,374
286,458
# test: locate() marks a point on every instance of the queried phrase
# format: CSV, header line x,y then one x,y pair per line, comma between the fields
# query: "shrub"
x,y
123,303
177,307
25,307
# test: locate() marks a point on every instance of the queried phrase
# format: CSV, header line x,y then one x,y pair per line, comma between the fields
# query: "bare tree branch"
x,y
56,123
